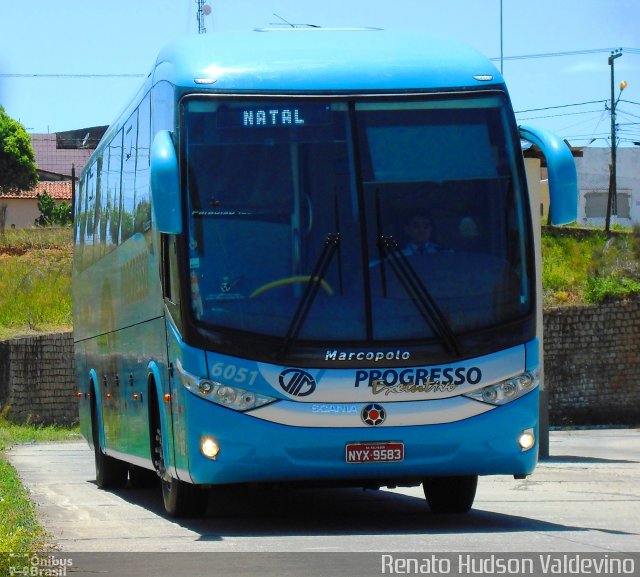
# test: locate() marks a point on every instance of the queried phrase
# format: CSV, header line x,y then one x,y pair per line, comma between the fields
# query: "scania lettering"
x,y
341,409
310,256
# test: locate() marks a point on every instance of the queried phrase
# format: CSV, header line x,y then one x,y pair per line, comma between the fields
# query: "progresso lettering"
x,y
418,380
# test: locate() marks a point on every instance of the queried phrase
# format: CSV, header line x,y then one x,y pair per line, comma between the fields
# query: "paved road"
x,y
586,497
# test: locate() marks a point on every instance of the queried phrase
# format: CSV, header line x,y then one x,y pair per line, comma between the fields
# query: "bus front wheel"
x,y
180,499
450,495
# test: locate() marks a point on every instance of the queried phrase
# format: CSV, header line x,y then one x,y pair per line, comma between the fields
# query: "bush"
x,y
52,214
585,266
605,288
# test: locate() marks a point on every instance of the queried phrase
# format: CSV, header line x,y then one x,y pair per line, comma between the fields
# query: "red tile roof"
x,y
59,190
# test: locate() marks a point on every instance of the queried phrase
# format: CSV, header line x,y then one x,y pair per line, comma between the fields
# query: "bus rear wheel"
x,y
450,495
110,473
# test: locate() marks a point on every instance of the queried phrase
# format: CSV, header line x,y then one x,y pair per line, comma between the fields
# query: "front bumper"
x,y
254,450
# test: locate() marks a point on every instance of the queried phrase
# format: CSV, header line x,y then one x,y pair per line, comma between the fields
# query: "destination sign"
x,y
274,116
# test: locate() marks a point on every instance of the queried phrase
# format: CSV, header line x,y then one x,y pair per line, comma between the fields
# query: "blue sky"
x,y
93,38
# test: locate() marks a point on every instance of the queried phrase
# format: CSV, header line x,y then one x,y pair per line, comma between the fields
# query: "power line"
x,y
567,53
570,113
559,115
516,57
38,75
581,123
560,106
595,130
627,114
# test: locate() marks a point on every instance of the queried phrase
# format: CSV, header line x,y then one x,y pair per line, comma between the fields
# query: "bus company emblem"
x,y
373,415
297,382
225,285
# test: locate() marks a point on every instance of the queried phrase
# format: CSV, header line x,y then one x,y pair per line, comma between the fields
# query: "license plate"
x,y
374,452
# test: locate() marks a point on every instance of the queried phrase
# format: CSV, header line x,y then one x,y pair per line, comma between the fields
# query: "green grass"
x,y
581,266
36,238
20,531
35,281
35,296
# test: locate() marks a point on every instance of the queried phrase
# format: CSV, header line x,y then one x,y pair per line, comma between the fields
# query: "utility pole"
x,y
73,192
612,200
501,42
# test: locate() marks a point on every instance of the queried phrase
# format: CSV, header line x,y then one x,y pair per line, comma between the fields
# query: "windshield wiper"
x,y
418,292
331,244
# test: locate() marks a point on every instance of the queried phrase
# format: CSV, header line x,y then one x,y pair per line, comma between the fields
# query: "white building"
x,y
593,186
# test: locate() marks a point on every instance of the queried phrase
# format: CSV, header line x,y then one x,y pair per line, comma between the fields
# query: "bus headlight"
x,y
507,390
225,395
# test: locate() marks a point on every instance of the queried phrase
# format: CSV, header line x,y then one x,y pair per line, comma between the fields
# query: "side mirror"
x,y
563,179
165,184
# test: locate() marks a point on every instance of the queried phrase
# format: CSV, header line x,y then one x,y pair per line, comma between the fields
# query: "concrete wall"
x,y
592,364
37,379
592,369
21,212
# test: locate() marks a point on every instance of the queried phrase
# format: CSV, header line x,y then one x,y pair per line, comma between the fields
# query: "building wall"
x,y
593,185
21,212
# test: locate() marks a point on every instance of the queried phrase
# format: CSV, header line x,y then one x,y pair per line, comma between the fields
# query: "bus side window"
x,y
170,286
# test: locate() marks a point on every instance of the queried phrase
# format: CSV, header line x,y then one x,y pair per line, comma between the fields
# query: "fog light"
x,y
527,439
209,448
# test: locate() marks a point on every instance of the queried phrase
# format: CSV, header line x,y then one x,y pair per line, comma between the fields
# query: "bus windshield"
x,y
406,217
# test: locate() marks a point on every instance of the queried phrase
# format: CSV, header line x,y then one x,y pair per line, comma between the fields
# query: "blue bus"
x,y
309,256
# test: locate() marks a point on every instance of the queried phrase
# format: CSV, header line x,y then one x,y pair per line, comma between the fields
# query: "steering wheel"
x,y
290,280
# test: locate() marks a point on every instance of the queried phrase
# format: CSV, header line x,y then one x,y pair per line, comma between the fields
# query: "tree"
x,y
51,213
18,170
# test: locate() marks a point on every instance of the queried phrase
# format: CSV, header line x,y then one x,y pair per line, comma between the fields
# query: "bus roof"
x,y
318,59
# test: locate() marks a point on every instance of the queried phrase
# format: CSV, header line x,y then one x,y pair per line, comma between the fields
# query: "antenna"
x,y
285,21
291,24
203,10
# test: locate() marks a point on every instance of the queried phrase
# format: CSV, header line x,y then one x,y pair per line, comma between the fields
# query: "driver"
x,y
419,230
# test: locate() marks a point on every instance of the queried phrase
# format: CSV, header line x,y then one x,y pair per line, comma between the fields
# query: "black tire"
x,y
110,473
450,495
180,499
141,478
183,499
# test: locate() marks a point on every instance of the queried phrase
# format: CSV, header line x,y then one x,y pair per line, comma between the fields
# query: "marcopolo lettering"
x,y
375,356
421,377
